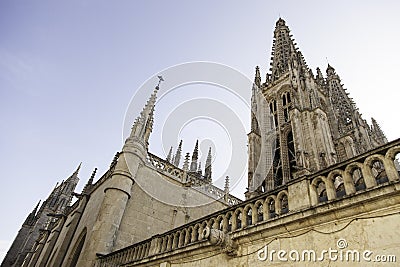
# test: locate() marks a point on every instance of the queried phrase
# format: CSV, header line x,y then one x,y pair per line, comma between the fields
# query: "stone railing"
x,y
197,182
246,214
166,167
361,173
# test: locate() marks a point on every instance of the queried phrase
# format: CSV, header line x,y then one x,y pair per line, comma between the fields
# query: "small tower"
x,y
169,155
195,155
226,189
177,157
208,169
119,187
186,162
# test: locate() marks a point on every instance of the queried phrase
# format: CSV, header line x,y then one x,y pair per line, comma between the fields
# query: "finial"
x,y
92,176
159,81
193,164
115,159
257,79
199,171
77,170
178,154
186,162
207,171
226,184
37,206
169,155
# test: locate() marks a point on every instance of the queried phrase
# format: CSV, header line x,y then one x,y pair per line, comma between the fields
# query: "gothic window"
x,y
274,112
291,152
277,164
286,103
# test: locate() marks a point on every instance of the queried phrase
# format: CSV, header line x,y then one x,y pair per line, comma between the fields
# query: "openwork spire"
x,y
208,171
143,124
186,162
377,131
283,49
195,156
77,169
257,78
90,181
344,107
169,155
178,155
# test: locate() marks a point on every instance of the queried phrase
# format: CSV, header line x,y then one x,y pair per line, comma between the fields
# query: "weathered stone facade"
x,y
323,188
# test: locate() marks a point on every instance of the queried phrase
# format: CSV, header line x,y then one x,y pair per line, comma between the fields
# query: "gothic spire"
x,y
283,49
30,219
186,162
257,78
143,124
90,181
169,155
207,171
377,131
195,155
178,155
199,171
226,188
77,169
254,110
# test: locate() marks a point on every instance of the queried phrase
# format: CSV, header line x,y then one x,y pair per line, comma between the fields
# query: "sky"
x,y
70,70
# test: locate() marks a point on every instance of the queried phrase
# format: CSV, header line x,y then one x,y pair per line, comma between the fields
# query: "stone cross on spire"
x,y
160,80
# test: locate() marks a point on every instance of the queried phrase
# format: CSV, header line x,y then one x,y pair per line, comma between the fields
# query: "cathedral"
x,y
323,189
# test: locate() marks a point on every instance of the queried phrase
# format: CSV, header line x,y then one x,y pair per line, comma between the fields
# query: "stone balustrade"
x,y
196,181
356,175
232,219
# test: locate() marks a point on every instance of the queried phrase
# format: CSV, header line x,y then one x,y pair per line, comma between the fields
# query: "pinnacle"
x,y
77,170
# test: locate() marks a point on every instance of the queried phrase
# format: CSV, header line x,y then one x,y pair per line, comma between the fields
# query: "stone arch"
x,y
248,214
282,202
237,217
375,166
337,178
259,207
319,190
354,177
392,152
270,207
392,164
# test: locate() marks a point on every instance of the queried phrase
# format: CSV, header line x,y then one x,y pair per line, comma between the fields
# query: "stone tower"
x,y
39,220
301,123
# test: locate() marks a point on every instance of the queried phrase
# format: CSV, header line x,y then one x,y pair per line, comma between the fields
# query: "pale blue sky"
x,y
68,70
